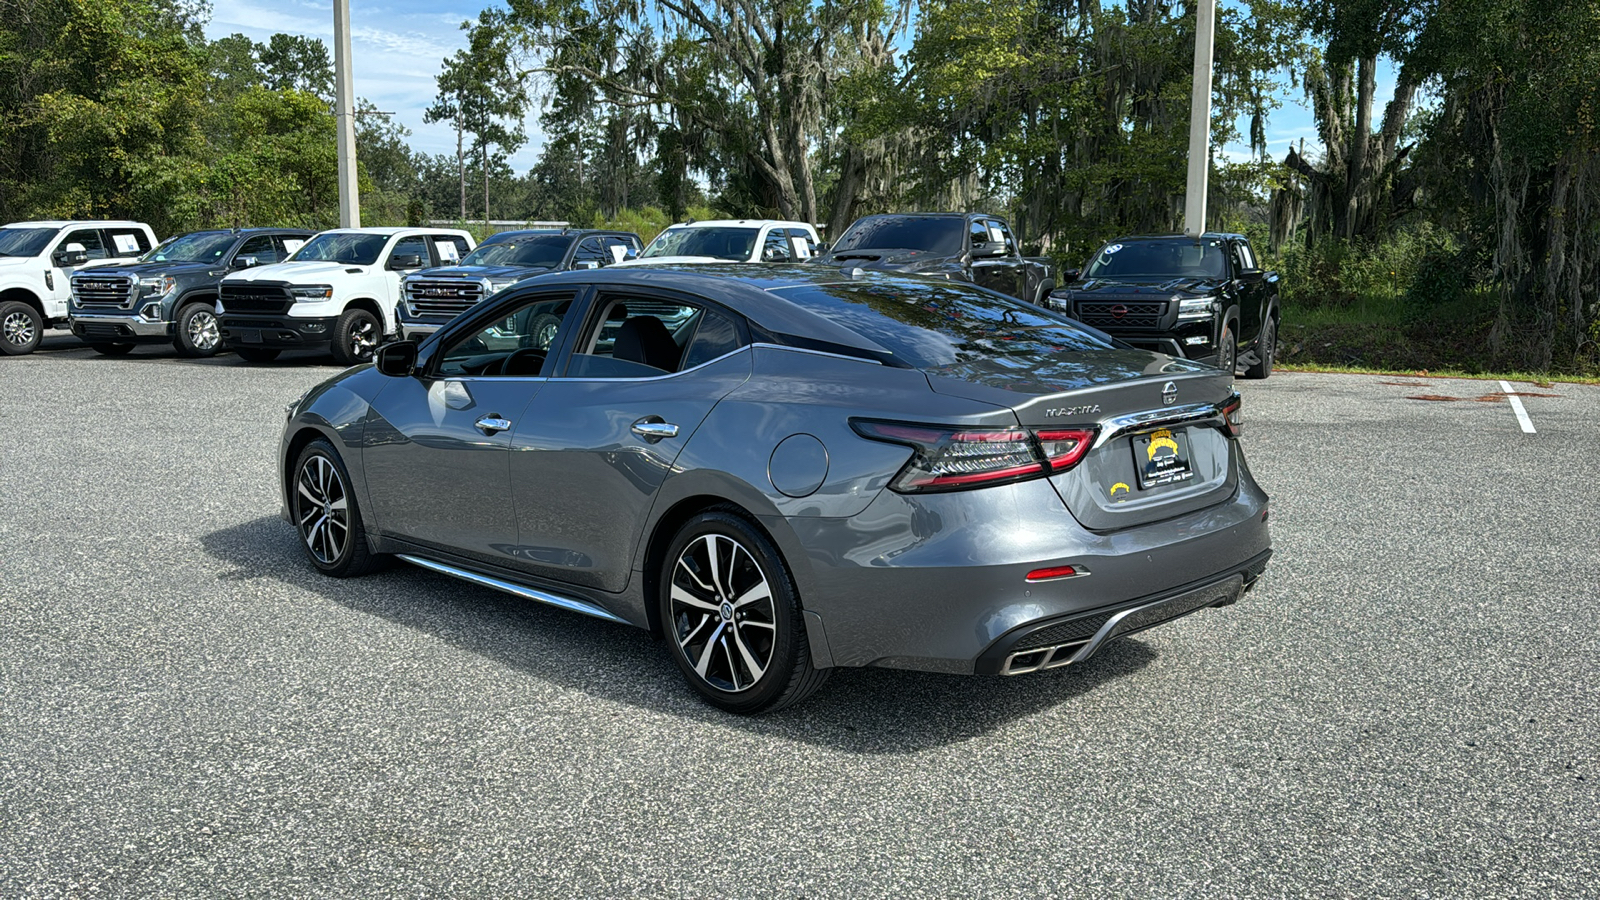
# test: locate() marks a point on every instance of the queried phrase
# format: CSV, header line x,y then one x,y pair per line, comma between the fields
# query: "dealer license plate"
x,y
1161,457
250,336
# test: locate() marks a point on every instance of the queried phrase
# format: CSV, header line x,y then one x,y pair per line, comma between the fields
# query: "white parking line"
x,y
1516,407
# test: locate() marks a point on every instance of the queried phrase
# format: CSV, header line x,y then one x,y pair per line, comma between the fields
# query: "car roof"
x,y
61,223
752,291
934,215
740,223
244,231
1210,235
391,231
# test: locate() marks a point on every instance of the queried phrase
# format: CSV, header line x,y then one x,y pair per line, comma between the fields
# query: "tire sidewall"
x,y
1228,350
789,649
185,346
14,307
344,330
348,556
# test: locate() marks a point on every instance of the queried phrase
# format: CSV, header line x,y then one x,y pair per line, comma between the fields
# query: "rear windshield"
x,y
201,247
1160,259
933,325
530,252
24,241
933,235
344,247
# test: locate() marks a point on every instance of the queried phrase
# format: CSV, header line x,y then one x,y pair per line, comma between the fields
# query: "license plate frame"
x,y
1161,457
249,335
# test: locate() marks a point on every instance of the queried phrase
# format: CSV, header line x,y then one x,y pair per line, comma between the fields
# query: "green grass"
x,y
1535,378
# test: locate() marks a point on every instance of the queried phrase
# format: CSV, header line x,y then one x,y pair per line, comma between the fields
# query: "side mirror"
x,y
820,249
1070,275
987,249
71,257
586,264
245,262
1251,276
406,261
397,360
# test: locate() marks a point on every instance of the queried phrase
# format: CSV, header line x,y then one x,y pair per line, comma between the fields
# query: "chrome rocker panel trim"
x,y
528,593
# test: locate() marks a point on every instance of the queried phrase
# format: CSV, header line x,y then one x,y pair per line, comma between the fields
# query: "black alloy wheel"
x,y
356,337
325,513
1266,351
732,617
21,328
199,335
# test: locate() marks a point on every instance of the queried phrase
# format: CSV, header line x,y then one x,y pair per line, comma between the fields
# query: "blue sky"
x,y
397,46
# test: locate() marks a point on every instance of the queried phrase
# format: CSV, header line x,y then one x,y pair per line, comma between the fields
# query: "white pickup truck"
x,y
338,292
730,240
37,260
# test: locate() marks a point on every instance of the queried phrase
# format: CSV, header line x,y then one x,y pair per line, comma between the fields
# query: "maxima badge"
x,y
1169,393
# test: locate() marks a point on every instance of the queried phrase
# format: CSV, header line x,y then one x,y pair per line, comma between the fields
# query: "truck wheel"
x,y
111,349
198,335
1266,349
1228,350
256,354
21,327
355,337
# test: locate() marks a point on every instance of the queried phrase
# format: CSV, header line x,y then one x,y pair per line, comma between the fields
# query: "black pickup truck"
x,y
973,247
435,296
1203,298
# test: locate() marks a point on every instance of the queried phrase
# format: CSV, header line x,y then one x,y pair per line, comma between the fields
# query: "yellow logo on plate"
x,y
1119,486
1159,439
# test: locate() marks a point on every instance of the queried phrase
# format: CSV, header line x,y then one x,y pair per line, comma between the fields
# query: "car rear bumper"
x,y
277,332
130,329
940,582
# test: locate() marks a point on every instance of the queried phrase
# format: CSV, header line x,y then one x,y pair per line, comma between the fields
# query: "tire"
x,y
257,354
767,664
541,333
356,337
323,509
111,349
1266,351
21,328
1228,350
198,333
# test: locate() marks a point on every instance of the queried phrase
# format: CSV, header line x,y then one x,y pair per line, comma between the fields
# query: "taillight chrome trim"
x,y
1193,414
1041,465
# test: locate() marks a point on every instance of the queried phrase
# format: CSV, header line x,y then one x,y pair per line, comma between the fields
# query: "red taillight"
x,y
1233,416
1053,573
950,458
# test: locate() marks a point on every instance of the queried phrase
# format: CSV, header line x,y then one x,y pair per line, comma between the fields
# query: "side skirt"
x,y
520,590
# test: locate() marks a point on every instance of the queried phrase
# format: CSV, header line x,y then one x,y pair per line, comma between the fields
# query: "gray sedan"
x,y
791,470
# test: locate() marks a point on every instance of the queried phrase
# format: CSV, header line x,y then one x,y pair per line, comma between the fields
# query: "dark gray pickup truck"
x,y
1204,298
973,247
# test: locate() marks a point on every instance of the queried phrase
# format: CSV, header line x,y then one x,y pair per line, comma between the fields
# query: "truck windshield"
x,y
940,235
200,247
545,251
716,241
24,241
343,247
1163,259
935,325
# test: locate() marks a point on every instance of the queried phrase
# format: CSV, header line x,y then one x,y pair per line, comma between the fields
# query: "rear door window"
x,y
127,242
448,249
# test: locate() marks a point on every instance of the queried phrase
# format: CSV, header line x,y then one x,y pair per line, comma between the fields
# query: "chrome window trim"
x,y
860,359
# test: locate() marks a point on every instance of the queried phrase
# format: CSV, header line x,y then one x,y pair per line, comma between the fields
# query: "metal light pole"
x,y
345,116
1194,206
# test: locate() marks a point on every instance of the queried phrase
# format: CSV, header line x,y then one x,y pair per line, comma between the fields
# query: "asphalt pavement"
x,y
1407,705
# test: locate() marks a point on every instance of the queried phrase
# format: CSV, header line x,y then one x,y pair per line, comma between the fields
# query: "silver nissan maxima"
x,y
786,471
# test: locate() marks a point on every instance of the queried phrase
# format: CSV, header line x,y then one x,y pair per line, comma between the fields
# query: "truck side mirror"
x,y
397,360
245,262
1251,276
586,264
987,249
71,255
406,261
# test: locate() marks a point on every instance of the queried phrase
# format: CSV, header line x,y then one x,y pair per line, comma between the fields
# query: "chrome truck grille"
x,y
442,299
102,291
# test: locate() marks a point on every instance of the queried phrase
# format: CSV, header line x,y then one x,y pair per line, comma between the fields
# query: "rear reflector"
x,y
952,458
1054,572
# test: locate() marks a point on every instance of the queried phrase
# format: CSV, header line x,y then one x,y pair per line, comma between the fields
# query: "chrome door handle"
x,y
654,431
492,424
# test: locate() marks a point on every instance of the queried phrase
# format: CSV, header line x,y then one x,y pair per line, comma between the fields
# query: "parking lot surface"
x,y
1407,705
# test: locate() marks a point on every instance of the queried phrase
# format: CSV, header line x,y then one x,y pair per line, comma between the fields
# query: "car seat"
x,y
646,340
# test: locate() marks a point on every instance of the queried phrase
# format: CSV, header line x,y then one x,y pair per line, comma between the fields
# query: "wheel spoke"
x,y
758,624
314,532
710,541
705,652
760,592
733,667
679,595
306,492
339,505
756,669
683,564
687,638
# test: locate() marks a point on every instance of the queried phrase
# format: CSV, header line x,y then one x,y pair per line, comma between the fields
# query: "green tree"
x,y
481,94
